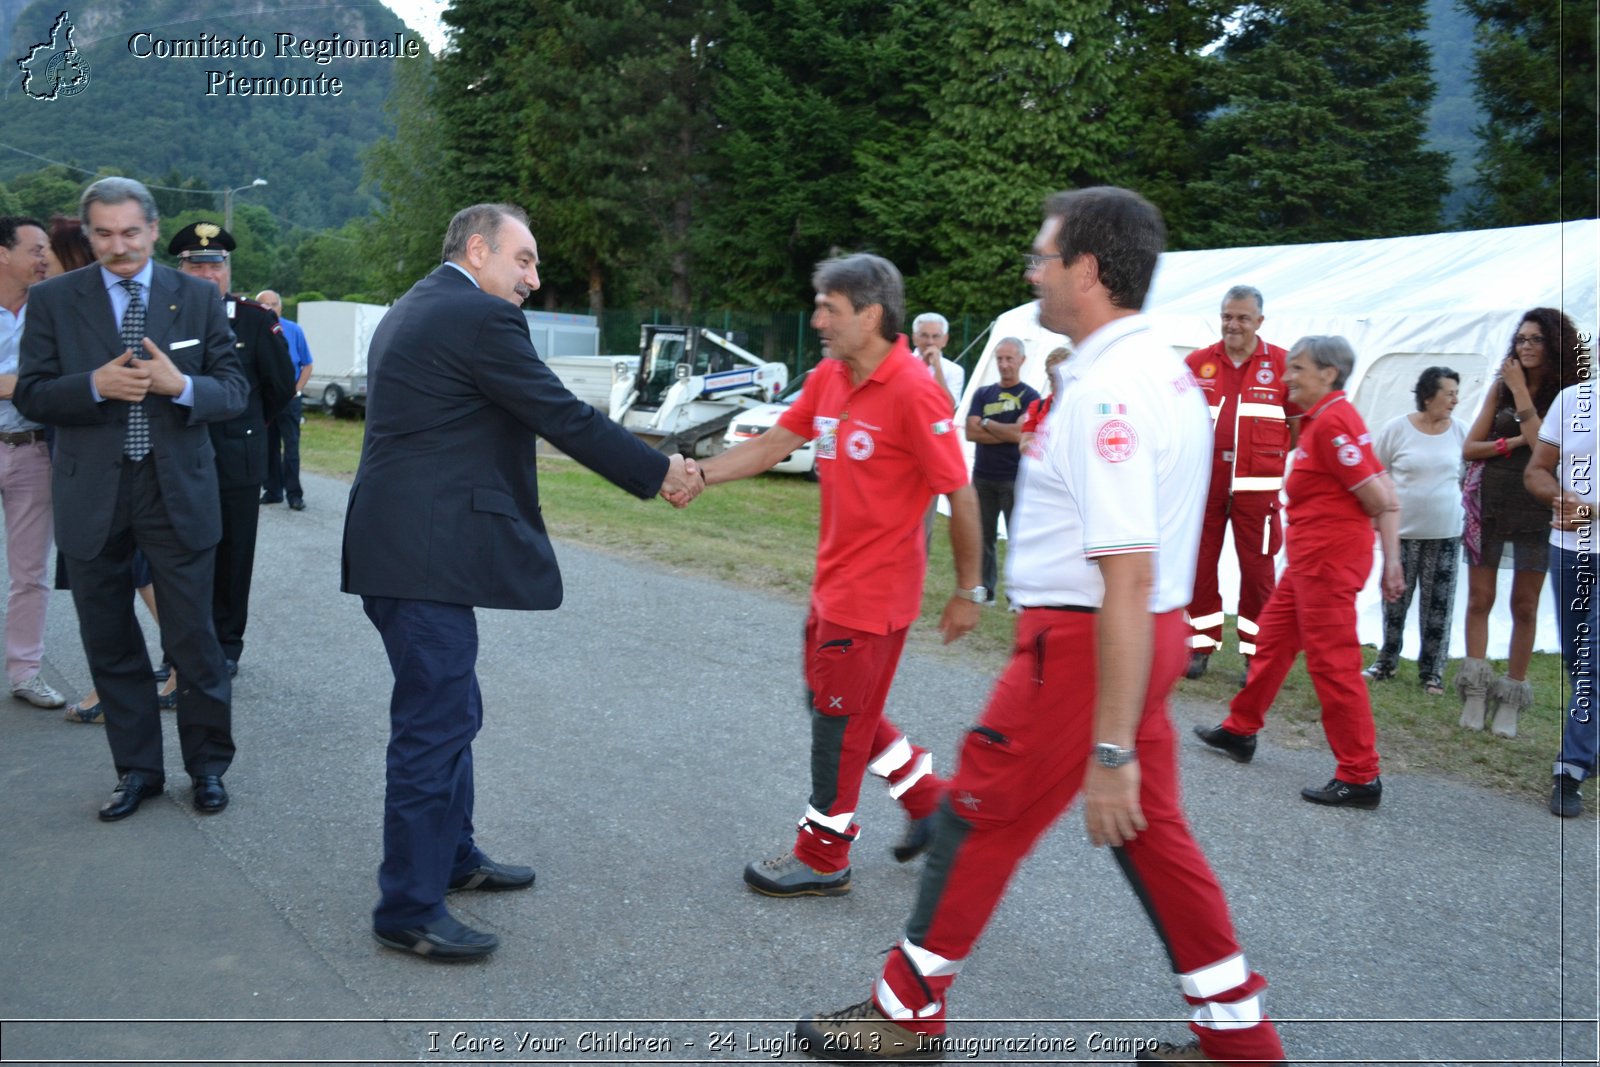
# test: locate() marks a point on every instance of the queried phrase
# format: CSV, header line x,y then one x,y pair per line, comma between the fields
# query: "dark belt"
x,y
1063,607
26,437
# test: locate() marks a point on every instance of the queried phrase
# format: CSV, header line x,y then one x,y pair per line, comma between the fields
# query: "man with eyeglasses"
x,y
1109,508
1253,431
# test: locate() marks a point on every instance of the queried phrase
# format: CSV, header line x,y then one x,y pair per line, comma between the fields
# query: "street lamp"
x,y
227,202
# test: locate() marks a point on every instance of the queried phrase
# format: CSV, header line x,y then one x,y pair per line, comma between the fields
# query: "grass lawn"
x,y
762,533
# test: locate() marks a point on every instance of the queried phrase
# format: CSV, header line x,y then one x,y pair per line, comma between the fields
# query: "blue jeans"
x,y
1572,576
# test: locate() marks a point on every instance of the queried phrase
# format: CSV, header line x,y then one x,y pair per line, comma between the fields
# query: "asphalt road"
x,y
640,746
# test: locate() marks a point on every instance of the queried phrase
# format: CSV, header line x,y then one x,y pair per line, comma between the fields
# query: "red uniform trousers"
x,y
849,673
1257,536
1020,769
1314,607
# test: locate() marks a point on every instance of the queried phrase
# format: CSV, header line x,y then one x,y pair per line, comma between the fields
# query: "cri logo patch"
x,y
859,444
1116,441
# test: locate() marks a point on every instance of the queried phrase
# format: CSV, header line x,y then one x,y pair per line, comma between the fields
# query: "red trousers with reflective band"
x,y
1020,768
1257,536
1314,606
849,673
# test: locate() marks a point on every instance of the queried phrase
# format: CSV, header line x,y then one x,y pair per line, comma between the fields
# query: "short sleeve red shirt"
x,y
884,450
1334,459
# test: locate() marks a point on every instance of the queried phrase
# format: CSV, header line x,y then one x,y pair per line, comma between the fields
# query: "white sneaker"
x,y
37,692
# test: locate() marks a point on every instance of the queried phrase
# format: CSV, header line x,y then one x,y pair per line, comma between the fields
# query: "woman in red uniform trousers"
x,y
1338,492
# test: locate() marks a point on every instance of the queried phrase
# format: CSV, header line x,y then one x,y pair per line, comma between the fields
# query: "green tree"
x,y
409,172
1320,136
42,193
1535,80
1037,106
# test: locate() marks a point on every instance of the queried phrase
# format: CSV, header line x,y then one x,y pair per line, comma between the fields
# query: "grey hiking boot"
x,y
863,1034
787,876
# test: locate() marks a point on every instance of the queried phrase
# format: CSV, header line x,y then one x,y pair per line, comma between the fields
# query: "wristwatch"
x,y
984,422
977,594
1108,755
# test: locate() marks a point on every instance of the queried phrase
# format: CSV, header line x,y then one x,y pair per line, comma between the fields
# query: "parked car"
x,y
759,420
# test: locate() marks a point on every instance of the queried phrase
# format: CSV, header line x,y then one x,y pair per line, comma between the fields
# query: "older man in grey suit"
x,y
130,361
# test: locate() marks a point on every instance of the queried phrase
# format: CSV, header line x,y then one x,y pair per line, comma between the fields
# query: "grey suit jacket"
x,y
70,333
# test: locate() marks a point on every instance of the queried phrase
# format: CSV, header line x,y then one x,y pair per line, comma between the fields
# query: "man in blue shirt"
x,y
283,432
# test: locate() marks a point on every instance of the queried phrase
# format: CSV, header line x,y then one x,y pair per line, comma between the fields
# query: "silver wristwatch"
x,y
1108,755
977,594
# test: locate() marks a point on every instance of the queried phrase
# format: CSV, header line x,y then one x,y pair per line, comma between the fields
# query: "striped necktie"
x,y
137,444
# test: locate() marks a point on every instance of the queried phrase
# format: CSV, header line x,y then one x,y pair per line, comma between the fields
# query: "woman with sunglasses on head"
x,y
1544,359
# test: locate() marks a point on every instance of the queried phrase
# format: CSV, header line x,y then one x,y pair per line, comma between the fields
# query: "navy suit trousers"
x,y
434,713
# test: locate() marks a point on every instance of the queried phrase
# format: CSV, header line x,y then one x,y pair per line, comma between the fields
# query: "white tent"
x,y
1404,303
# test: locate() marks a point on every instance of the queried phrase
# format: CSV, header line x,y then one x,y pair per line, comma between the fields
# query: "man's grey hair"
x,y
1326,352
117,191
864,280
484,220
1246,292
931,316
1022,349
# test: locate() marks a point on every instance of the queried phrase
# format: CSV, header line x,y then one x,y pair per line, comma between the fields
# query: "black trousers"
x,y
283,455
236,564
102,592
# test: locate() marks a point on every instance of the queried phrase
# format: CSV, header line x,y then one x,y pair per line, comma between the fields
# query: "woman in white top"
x,y
1423,453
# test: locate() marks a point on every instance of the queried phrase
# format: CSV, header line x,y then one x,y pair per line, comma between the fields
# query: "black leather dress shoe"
x,y
494,877
233,667
444,940
131,791
297,505
265,499
1238,747
209,795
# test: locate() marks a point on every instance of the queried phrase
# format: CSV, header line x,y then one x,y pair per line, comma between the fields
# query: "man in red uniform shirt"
x,y
885,447
1242,377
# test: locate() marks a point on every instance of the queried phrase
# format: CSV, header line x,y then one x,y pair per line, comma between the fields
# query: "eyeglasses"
x,y
1033,261
1527,339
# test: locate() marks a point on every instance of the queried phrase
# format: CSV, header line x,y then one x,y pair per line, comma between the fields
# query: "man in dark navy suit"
x,y
444,517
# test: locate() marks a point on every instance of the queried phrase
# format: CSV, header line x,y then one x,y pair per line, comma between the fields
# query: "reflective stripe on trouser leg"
x,y
1205,606
906,766
1277,646
911,989
1257,536
1247,636
848,673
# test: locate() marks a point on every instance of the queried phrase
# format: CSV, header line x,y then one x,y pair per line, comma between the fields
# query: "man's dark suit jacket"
x,y
445,504
241,442
71,332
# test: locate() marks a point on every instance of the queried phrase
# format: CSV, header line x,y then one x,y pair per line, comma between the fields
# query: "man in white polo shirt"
x,y
1110,499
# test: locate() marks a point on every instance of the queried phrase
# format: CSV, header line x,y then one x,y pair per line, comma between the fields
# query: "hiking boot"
x,y
1166,1052
1565,800
1198,662
862,1033
37,691
919,835
1238,747
787,876
1341,794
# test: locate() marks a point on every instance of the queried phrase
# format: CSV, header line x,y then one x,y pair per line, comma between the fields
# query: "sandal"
x,y
1379,671
1433,685
90,715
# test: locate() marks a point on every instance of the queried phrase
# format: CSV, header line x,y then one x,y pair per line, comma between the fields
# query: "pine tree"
x,y
1535,70
1320,135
